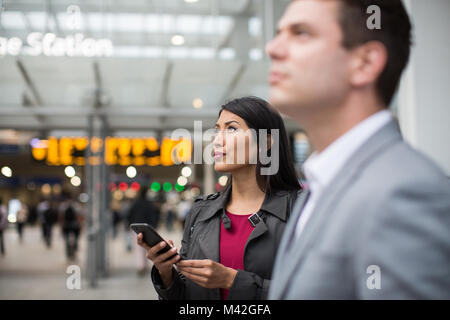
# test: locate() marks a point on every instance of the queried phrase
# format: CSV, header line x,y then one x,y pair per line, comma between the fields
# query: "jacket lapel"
x,y
209,241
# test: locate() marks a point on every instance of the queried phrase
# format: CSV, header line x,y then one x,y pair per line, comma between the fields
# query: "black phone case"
x,y
150,236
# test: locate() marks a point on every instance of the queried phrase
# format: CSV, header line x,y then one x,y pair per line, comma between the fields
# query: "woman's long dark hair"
x,y
259,114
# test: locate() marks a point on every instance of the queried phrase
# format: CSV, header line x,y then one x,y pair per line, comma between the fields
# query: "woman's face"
x,y
232,143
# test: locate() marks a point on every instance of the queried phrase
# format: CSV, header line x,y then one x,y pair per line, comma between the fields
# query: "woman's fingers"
x,y
164,256
198,279
156,248
202,272
141,242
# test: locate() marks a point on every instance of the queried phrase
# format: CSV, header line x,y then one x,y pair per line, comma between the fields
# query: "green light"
x,y
167,186
178,187
155,186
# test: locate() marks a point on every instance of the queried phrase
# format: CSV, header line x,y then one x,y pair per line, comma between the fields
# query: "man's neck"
x,y
323,128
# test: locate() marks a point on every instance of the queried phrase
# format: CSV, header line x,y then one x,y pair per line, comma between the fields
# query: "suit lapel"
x,y
282,257
329,198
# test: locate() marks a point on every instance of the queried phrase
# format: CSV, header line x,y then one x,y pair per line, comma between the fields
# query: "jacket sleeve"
x,y
177,290
248,286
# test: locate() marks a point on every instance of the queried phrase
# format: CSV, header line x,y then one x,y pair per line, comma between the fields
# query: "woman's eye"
x,y
231,129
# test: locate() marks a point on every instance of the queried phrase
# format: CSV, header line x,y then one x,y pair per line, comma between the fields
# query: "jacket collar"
x,y
275,204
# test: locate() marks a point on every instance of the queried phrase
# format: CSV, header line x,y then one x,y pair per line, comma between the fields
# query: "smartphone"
x,y
150,236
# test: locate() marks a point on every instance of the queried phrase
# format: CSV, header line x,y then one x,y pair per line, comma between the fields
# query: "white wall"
x,y
424,95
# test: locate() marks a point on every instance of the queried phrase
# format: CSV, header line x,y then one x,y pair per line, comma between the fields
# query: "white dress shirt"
x,y
321,168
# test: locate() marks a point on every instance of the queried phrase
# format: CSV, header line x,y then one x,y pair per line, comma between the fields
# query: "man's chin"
x,y
281,103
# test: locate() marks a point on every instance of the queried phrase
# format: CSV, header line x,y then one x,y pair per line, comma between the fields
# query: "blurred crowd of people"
x,y
160,210
66,213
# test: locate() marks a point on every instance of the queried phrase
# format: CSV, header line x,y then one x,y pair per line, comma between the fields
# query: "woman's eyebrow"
x,y
228,122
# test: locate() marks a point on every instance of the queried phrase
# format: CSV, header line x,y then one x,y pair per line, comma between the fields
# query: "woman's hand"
x,y
207,273
160,261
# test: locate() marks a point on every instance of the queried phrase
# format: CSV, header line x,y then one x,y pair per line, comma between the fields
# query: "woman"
x,y
230,238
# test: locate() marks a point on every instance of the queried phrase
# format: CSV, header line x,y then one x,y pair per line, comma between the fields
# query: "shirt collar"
x,y
321,168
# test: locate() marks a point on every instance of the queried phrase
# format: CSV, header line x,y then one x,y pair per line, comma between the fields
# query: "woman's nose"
x,y
218,140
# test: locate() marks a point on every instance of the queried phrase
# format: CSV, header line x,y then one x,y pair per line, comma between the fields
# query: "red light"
x,y
135,186
112,186
123,186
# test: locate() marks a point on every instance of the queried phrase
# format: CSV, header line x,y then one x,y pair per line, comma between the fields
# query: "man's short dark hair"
x,y
394,33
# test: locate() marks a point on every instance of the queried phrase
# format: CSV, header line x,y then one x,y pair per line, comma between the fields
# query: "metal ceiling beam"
x,y
29,82
76,110
234,82
166,84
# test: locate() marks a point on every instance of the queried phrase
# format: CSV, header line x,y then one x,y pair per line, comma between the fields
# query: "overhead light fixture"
x,y
69,171
182,181
197,103
75,181
223,180
177,40
191,1
131,172
46,189
186,172
7,172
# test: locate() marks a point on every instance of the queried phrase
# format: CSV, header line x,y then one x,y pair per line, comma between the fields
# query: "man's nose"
x,y
274,48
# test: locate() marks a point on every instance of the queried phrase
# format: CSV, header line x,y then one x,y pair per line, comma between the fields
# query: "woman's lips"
x,y
218,155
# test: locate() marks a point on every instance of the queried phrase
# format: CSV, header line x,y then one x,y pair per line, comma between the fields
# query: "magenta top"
x,y
232,243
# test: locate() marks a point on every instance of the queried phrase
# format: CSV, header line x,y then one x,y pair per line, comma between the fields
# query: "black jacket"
x,y
201,241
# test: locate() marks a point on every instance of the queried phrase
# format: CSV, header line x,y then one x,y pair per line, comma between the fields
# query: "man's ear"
x,y
367,63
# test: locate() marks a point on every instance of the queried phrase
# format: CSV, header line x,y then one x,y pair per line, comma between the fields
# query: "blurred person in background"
x,y
230,238
115,217
184,206
125,206
142,211
375,222
169,209
3,225
70,219
22,216
47,216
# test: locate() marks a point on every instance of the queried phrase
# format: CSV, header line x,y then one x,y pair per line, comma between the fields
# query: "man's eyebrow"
x,y
293,25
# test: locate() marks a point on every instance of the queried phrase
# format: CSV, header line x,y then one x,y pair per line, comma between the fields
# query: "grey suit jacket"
x,y
381,230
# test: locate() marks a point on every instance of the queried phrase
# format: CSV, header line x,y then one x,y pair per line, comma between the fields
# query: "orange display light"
x,y
117,151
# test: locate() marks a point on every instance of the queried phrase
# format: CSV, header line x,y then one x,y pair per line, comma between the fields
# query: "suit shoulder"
x,y
404,165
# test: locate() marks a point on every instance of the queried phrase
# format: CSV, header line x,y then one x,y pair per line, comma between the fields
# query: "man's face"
x,y
309,70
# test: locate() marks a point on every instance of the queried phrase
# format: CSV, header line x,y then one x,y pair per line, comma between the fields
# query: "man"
x,y
375,222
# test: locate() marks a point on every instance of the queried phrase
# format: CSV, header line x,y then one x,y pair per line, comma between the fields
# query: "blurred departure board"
x,y
118,151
